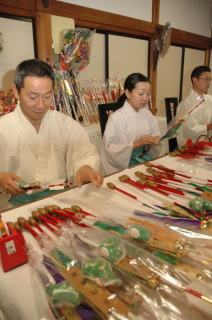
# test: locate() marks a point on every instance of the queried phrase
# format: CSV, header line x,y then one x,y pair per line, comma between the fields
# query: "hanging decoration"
x,y
163,41
1,42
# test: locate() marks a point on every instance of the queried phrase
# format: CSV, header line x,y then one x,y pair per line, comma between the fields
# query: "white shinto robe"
x,y
57,152
195,124
123,127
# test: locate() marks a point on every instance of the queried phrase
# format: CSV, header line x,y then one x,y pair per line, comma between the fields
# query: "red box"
x,y
12,251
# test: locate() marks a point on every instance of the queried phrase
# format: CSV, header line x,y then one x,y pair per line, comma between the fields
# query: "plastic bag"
x,y
76,48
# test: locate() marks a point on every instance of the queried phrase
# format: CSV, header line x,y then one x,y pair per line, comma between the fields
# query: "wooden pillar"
x,y
207,57
153,74
155,11
44,36
152,56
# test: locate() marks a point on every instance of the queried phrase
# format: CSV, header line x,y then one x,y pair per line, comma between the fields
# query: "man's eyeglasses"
x,y
206,79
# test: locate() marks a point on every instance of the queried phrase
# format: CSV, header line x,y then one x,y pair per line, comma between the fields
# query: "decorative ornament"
x,y
64,293
113,249
100,271
140,233
76,49
163,41
1,42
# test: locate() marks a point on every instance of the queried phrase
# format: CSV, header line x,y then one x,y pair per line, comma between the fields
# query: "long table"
x,y
17,300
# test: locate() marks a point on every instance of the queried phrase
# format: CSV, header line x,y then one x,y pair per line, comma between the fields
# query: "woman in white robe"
x,y
130,129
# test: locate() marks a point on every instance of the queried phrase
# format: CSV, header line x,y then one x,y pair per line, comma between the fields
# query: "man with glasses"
x,y
200,121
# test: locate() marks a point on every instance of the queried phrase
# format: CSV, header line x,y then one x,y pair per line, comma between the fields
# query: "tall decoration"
x,y
1,42
76,49
162,43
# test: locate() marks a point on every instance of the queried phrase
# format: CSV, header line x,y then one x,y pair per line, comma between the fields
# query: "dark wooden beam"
x,y
104,20
155,11
181,73
23,4
17,11
153,53
190,39
207,57
100,26
45,5
44,36
153,74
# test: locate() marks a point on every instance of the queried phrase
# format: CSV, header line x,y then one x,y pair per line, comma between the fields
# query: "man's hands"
x,y
88,174
85,173
8,185
145,139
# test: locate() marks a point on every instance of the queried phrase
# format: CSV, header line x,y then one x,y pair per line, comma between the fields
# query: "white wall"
x,y
193,58
168,74
127,55
138,9
18,46
168,78
96,66
188,15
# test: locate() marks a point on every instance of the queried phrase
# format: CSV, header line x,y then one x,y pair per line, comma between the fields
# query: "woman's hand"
x,y
8,185
146,139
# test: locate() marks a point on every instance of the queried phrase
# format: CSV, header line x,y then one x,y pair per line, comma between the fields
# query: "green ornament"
x,y
100,271
23,184
207,204
140,233
196,204
113,249
64,293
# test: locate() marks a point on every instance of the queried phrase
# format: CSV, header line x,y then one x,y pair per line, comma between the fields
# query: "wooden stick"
x,y
24,223
145,201
78,209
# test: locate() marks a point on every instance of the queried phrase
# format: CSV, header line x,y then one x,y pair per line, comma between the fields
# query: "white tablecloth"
x,y
16,291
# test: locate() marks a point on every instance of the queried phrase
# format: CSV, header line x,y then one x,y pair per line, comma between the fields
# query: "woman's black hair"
x,y
130,84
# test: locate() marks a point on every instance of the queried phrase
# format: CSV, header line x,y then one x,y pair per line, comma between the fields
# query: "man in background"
x,y
200,121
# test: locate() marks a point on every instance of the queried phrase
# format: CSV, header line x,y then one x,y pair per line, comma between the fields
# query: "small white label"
x,y
10,247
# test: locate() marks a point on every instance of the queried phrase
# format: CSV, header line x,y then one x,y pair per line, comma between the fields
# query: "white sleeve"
x,y
116,152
